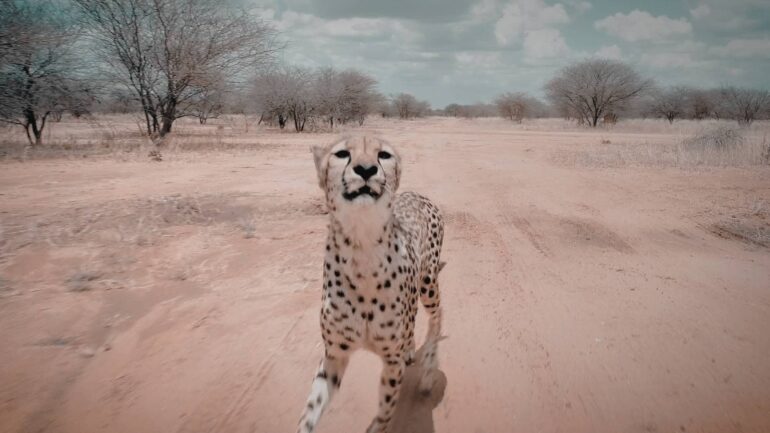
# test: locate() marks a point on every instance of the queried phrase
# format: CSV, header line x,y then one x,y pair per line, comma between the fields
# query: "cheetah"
x,y
382,254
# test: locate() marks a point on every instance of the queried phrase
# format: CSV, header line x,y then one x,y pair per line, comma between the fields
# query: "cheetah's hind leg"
x,y
431,301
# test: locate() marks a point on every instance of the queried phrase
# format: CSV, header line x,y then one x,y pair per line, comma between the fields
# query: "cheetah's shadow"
x,y
414,410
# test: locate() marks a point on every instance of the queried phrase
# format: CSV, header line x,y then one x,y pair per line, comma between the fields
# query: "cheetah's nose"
x,y
365,172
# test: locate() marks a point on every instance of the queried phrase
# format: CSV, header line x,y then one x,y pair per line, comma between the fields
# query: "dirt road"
x,y
183,296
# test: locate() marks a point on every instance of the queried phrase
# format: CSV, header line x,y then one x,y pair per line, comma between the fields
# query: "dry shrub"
x,y
750,224
82,281
719,138
717,145
723,146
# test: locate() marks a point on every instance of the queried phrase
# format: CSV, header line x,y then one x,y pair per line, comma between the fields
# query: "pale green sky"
x,y
470,50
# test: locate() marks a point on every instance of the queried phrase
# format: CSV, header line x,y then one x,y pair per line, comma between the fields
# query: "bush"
x,y
719,138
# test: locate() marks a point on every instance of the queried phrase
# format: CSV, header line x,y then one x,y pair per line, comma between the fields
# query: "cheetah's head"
x,y
357,171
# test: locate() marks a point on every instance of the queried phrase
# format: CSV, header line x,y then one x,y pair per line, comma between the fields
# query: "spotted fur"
x,y
382,255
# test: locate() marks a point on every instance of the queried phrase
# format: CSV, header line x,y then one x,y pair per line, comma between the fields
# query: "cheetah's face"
x,y
358,171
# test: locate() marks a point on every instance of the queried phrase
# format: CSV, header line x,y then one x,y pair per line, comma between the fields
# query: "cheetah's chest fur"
x,y
369,300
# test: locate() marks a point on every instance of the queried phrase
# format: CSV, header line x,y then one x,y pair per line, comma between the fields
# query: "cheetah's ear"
x,y
319,153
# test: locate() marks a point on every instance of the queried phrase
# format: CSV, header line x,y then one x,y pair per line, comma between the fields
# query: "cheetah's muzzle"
x,y
364,190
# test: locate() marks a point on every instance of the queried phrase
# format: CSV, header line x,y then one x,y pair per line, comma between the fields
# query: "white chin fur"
x,y
364,217
364,199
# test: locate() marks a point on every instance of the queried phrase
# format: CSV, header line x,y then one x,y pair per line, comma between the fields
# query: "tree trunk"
x,y
169,115
166,127
30,124
299,123
150,112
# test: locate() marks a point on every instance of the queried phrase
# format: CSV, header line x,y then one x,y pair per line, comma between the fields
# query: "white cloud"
x,y
732,15
668,60
609,52
641,26
308,25
544,43
745,48
584,6
701,11
523,16
478,60
580,6
484,10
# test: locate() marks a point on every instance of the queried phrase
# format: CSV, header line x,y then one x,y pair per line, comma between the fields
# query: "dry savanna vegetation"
x,y
161,236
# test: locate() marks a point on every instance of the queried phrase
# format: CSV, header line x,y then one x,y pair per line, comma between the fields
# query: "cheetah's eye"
x,y
384,155
342,154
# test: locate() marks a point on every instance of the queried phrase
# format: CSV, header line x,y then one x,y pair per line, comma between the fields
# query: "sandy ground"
x,y
183,296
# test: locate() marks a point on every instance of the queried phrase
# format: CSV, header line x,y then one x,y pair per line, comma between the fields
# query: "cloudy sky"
x,y
471,50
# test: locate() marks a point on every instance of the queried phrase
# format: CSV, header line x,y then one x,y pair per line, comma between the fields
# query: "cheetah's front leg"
x,y
325,383
390,385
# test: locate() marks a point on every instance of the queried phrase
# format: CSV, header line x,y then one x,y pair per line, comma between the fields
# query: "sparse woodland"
x,y
170,59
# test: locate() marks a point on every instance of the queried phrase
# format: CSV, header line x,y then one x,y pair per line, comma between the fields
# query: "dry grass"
x,y
711,145
749,224
636,142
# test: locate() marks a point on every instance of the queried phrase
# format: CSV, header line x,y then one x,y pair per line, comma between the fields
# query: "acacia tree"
x,y
407,106
358,97
516,106
328,93
589,89
286,93
745,105
38,70
209,103
303,94
670,103
699,103
344,95
169,52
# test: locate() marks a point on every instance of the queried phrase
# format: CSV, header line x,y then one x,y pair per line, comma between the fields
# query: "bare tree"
x,y
328,95
745,105
302,94
359,97
286,93
453,110
210,101
270,95
470,111
589,89
517,106
210,105
406,106
170,51
670,103
699,103
38,69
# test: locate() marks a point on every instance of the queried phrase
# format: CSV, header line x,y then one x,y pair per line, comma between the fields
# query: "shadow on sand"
x,y
414,410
